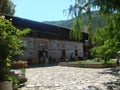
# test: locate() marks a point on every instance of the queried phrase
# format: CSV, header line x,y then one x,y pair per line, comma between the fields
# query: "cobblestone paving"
x,y
68,78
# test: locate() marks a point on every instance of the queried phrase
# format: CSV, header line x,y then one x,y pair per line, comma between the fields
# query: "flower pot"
x,y
15,87
6,85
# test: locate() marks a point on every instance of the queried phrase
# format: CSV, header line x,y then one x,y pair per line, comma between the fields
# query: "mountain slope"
x,y
96,21
63,23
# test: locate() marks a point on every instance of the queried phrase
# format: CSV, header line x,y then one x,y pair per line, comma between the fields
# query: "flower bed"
x,y
19,64
88,65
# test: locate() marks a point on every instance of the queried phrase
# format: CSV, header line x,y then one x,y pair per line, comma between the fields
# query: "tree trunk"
x,y
105,60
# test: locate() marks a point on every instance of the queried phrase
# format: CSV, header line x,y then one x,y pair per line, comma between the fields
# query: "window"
x,y
76,52
63,53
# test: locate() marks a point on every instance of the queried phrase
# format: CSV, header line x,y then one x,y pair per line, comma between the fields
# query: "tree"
x,y
106,38
10,44
80,11
83,8
7,7
107,6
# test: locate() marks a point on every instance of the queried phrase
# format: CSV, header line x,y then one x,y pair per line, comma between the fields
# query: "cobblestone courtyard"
x,y
70,78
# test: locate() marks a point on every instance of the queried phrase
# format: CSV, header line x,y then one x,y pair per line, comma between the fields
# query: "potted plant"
x,y
10,44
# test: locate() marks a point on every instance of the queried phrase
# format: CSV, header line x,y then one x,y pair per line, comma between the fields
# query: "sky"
x,y
42,10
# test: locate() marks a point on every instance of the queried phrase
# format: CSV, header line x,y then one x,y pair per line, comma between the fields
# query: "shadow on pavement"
x,y
113,71
114,84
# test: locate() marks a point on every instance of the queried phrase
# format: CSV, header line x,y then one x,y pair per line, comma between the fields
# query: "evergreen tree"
x,y
7,7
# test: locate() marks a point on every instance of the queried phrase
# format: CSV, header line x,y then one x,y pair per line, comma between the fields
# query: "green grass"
x,y
92,62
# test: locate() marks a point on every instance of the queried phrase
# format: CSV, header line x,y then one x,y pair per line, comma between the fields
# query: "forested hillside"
x,y
97,21
63,23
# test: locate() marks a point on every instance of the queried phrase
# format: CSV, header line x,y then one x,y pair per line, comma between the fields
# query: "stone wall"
x,y
88,65
52,47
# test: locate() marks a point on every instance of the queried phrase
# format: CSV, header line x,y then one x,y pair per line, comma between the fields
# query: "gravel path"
x,y
70,78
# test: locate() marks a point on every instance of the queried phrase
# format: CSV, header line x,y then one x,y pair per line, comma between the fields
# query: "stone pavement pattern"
x,y
68,78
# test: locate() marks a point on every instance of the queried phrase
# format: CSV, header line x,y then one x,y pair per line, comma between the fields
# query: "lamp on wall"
x,y
3,16
10,19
